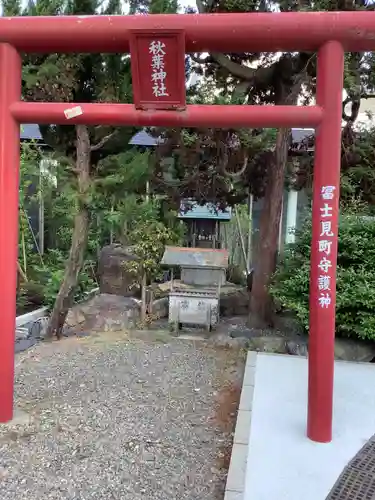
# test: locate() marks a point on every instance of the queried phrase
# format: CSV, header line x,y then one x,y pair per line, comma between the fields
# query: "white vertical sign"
x,y
327,194
158,75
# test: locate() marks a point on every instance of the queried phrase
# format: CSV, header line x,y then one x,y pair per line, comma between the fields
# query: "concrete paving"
x,y
278,461
236,479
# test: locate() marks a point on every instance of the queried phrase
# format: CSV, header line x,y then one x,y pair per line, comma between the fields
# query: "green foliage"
x,y
44,272
216,166
117,214
51,274
357,164
357,167
355,309
28,196
148,235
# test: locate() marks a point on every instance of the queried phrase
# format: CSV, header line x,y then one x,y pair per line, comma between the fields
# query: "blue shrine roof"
x,y
208,211
143,138
30,131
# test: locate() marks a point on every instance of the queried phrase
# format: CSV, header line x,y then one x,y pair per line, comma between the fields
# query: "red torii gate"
x,y
328,33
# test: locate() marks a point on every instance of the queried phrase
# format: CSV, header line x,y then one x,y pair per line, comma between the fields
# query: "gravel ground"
x,y
114,417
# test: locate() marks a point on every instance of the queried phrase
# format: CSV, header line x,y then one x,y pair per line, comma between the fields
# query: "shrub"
x,y
355,301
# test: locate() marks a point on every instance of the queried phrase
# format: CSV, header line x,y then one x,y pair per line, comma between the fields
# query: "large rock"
x,y
354,350
103,313
224,340
271,344
113,275
345,349
234,300
160,307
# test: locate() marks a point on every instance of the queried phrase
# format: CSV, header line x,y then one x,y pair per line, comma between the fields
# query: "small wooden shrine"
x,y
203,224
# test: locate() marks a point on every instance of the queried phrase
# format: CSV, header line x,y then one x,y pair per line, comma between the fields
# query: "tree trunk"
x,y
65,297
261,307
261,304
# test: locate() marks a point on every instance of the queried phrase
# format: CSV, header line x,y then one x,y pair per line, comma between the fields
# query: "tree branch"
x,y
201,8
243,72
101,143
235,175
21,272
355,101
240,71
235,69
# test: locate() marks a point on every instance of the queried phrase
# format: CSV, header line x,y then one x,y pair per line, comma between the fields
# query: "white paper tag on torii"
x,y
73,112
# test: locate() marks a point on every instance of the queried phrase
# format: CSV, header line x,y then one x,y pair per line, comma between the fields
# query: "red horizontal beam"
x,y
193,116
255,32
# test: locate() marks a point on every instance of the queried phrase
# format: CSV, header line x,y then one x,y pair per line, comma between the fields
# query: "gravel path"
x,y
112,417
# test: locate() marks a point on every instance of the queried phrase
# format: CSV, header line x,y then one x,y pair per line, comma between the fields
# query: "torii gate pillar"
x,y
10,91
324,242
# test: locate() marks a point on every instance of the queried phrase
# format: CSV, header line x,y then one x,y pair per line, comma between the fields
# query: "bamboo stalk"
x,y
242,243
143,297
24,251
250,231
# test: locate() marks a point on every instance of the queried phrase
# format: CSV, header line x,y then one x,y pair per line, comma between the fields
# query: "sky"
x,y
182,3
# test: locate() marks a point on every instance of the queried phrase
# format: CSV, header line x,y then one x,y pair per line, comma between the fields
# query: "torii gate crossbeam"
x,y
328,33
